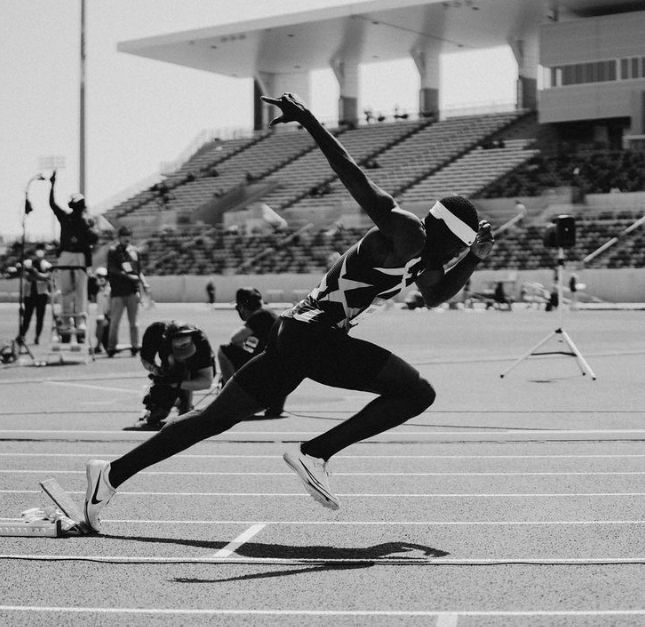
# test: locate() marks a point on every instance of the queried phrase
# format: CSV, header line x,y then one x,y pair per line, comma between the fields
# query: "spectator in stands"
x,y
186,364
312,340
250,340
372,164
78,237
126,283
37,279
398,115
102,328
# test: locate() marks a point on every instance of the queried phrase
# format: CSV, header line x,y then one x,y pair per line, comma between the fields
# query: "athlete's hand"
x,y
293,109
52,178
484,241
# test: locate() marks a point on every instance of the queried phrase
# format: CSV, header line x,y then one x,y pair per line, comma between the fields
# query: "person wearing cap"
x,y
180,361
313,339
78,236
249,340
37,279
102,309
126,282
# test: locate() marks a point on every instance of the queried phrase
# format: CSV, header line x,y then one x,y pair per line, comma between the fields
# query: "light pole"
x,y
81,186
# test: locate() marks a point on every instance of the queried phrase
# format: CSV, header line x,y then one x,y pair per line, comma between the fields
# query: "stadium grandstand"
x,y
572,143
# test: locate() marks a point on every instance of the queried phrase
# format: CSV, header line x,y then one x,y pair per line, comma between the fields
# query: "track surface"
x,y
512,501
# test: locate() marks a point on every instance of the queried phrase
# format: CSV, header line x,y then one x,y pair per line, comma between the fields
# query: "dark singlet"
x,y
353,286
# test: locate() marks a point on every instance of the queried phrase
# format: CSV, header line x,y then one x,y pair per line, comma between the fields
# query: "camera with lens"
x,y
561,233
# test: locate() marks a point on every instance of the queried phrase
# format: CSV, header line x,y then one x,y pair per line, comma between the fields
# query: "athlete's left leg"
x,y
227,409
359,365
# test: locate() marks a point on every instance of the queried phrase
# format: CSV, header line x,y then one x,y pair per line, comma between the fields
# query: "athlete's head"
x,y
451,226
247,300
181,336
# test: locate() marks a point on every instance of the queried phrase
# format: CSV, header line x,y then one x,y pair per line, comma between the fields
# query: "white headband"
x,y
454,224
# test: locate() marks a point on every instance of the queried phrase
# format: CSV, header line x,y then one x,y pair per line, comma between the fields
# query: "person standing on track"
x,y
312,340
126,282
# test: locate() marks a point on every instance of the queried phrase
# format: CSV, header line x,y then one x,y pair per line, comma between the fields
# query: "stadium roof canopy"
x,y
366,32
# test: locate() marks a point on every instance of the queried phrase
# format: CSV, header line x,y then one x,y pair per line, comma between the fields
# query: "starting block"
x,y
64,501
38,528
49,522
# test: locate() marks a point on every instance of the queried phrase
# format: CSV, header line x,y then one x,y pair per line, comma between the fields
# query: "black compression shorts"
x,y
298,350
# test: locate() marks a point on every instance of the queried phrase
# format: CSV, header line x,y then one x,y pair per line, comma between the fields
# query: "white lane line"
x,y
242,612
184,473
102,388
464,432
279,456
376,523
414,495
235,544
277,561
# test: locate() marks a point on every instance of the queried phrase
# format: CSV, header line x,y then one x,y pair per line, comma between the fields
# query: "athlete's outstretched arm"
x,y
403,227
52,198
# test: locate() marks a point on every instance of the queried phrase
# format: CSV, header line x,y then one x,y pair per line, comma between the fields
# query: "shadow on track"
x,y
364,557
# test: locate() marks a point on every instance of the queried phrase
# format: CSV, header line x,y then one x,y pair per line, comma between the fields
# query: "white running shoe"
x,y
99,491
314,474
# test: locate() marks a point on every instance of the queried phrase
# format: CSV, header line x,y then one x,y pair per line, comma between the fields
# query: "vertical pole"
x,y
81,186
21,282
560,287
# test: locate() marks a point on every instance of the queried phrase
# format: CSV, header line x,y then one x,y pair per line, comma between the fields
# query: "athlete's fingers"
x,y
272,101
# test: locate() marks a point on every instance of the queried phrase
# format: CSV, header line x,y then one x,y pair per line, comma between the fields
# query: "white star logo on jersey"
x,y
340,295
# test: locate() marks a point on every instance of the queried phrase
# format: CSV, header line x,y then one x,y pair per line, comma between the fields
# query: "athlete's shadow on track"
x,y
365,557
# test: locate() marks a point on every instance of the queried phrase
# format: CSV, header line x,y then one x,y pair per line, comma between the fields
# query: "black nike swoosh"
x,y
316,483
93,500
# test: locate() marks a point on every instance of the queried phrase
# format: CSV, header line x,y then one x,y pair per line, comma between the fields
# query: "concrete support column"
x,y
274,85
427,62
638,113
525,49
346,72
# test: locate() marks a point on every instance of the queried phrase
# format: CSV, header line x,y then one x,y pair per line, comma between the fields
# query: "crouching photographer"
x,y
180,360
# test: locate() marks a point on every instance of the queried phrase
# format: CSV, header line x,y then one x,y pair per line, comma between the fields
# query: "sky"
x,y
140,112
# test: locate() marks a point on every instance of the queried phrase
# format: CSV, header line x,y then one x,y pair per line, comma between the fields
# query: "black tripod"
x,y
559,333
